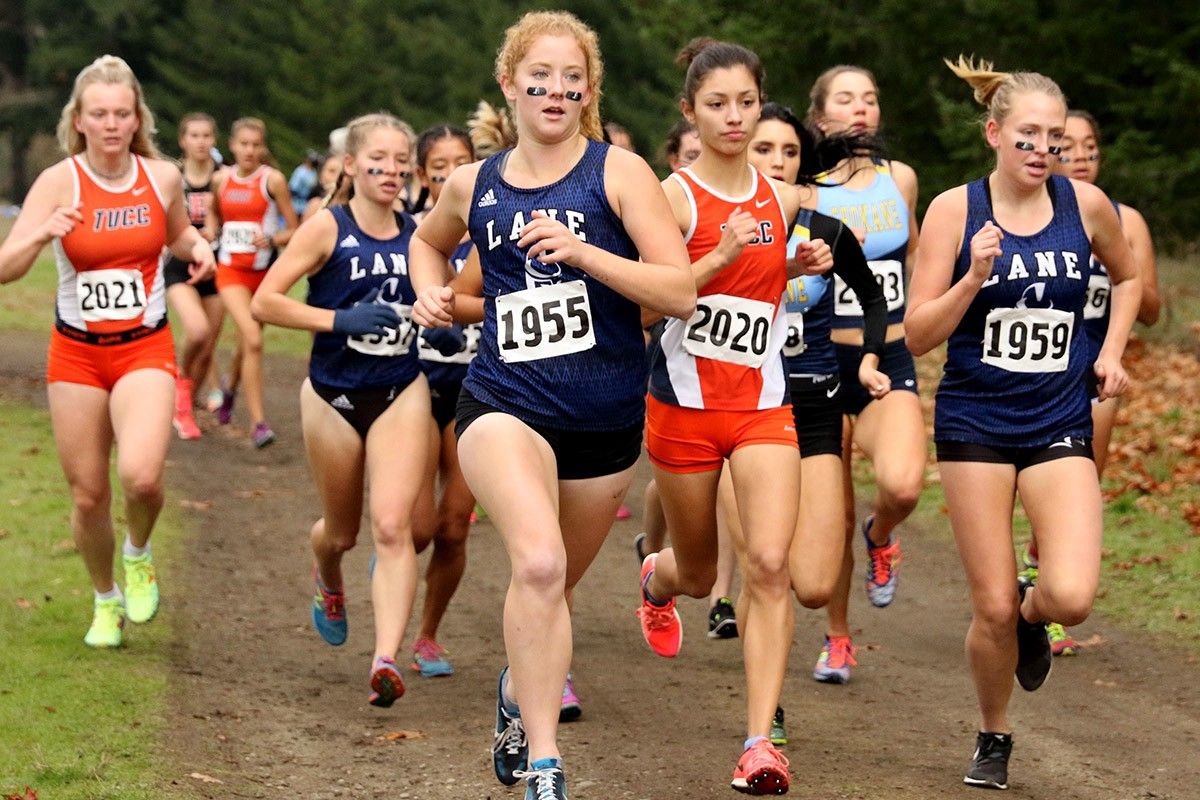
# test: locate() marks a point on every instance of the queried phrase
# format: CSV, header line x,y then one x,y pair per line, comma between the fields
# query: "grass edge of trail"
x,y
74,722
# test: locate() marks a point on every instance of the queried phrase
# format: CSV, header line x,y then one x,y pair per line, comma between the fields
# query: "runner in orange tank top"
x,y
108,209
718,392
249,200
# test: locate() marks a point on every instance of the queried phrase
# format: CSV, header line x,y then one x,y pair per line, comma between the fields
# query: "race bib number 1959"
x,y
544,322
110,294
732,329
1028,339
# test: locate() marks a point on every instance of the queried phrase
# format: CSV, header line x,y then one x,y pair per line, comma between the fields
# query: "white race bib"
x,y
736,330
794,345
890,277
544,322
110,294
395,342
238,237
471,333
1098,291
1028,339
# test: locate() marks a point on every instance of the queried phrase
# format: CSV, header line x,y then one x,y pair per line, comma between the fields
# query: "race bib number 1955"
x,y
544,322
1028,339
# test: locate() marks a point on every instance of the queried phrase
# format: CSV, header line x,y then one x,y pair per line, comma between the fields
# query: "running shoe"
x,y
761,770
623,512
883,567
571,709
141,588
213,400
386,684
722,623
1029,556
225,410
989,765
263,435
1061,642
429,659
183,420
510,748
1034,656
108,618
778,734
639,546
329,613
837,657
661,626
544,780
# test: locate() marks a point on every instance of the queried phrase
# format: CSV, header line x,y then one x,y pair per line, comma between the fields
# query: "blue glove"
x,y
365,317
446,341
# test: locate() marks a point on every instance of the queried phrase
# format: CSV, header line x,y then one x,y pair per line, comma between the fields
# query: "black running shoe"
x,y
510,748
722,624
989,765
545,781
639,547
1034,656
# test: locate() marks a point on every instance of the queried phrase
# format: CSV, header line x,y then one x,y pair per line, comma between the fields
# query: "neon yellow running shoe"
x,y
108,618
141,588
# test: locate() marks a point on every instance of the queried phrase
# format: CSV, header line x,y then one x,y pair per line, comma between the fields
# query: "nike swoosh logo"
x,y
1064,443
829,394
138,191
762,204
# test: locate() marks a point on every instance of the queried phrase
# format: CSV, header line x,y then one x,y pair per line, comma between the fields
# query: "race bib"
x,y
736,330
1098,291
544,322
890,277
794,345
395,342
110,294
238,237
471,333
1028,339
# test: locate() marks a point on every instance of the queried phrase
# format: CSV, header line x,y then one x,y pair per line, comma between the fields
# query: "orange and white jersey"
x,y
110,277
247,212
728,356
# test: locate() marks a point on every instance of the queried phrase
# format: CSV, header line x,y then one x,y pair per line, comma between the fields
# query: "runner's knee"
x,y
1067,605
91,499
542,572
142,486
996,613
767,570
697,582
391,531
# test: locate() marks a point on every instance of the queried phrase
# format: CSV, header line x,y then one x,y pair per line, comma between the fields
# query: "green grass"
x,y
1180,305
74,722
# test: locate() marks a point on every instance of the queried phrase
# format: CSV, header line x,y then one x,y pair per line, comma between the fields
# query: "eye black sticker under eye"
x,y
536,91
574,96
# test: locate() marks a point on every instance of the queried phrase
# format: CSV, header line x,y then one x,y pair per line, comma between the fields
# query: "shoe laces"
x,y
883,560
333,604
543,781
139,572
656,617
1058,633
840,652
383,662
512,739
428,650
764,751
110,608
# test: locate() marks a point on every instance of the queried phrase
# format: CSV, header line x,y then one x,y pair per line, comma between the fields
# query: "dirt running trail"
x,y
259,703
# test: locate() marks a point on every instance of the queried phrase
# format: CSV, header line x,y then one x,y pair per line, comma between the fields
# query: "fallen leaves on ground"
x,y
30,794
200,776
196,505
25,604
400,736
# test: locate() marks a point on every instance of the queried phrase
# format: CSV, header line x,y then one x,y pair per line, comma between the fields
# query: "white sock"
x,y
134,552
115,591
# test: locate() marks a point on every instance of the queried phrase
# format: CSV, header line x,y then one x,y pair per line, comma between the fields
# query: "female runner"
x,y
365,390
196,303
328,170
1002,276
718,391
551,412
880,198
1080,160
250,198
108,209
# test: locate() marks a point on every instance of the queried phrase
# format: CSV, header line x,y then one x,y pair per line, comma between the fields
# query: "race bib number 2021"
x,y
110,294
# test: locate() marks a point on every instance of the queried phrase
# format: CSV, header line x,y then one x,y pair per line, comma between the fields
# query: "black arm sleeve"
x,y
850,265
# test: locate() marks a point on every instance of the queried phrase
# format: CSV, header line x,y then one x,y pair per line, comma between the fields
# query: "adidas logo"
x,y
342,402
349,241
488,199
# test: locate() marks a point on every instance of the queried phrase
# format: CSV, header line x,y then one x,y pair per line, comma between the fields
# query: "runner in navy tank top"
x,y
878,198
551,412
1002,276
365,390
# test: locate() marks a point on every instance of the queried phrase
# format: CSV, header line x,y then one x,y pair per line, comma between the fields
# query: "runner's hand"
x,y
740,229
811,258
550,241
204,264
434,307
446,341
61,222
877,383
1112,378
365,317
985,249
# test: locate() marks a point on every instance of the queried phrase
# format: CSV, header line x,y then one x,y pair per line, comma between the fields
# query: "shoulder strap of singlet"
x,y
691,199
141,162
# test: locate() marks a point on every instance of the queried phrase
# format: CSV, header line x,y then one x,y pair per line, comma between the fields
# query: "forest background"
x,y
306,66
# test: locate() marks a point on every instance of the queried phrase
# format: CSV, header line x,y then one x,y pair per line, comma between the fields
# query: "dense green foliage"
x,y
305,66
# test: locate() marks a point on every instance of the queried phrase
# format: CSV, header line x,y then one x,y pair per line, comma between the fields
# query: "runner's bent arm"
x,y
277,188
935,307
468,291
850,264
310,249
183,240
433,244
1137,234
46,215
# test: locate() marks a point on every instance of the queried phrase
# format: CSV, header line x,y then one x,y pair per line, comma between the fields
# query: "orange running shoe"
x,y
184,421
661,626
761,770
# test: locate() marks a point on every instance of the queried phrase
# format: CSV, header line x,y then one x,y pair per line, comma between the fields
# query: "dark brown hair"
x,y
703,54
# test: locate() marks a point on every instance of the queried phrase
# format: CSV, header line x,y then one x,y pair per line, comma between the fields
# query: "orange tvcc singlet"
x,y
718,381
247,211
110,307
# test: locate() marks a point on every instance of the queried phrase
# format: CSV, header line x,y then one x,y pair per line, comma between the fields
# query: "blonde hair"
x,y
818,95
107,70
357,130
995,90
491,130
520,37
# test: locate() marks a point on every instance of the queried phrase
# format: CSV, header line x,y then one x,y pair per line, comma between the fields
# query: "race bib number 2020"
x,y
733,329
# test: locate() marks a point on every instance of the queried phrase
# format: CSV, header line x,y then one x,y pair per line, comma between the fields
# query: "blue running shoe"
x,y
544,780
386,684
429,659
329,613
510,748
883,567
